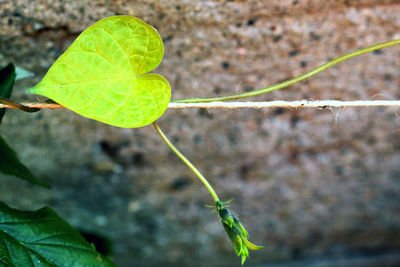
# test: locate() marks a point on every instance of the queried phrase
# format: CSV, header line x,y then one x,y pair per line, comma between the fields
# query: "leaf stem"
x,y
294,80
186,161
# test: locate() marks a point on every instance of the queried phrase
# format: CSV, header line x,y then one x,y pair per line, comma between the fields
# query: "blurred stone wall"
x,y
308,184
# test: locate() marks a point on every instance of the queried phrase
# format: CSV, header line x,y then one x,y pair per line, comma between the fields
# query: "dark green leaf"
x,y
10,164
7,79
42,238
101,242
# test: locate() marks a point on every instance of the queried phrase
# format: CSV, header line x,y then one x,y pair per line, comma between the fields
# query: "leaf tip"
x,y
33,90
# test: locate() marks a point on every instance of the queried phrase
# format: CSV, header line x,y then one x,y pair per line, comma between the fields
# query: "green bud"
x,y
235,231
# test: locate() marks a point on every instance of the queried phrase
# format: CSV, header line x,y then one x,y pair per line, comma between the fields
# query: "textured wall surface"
x,y
307,184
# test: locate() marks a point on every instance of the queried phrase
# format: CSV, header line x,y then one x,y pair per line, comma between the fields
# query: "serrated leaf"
x,y
102,74
10,165
41,238
7,79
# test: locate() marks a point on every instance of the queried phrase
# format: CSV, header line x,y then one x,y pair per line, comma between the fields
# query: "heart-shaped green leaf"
x,y
102,74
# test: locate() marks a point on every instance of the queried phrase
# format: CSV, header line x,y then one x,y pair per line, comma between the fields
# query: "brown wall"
x,y
306,183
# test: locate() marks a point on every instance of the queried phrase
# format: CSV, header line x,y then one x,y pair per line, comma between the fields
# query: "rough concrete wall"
x,y
306,183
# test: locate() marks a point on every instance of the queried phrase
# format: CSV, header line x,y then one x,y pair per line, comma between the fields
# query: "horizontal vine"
x,y
33,107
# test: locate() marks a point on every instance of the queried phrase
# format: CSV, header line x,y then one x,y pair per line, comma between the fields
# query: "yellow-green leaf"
x,y
102,74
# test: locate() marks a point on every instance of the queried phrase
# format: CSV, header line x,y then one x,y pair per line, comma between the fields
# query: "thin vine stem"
x,y
238,104
294,80
8,103
187,162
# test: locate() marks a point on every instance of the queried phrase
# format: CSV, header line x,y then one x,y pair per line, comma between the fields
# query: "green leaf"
x,y
42,238
7,79
23,73
10,164
102,74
